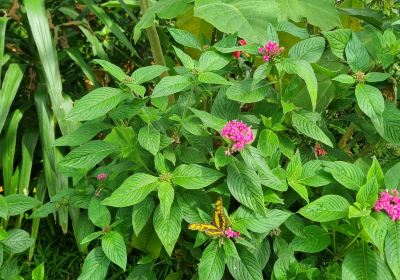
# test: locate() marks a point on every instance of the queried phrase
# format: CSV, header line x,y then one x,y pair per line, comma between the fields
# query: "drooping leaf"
x,y
326,208
392,248
98,213
193,176
185,38
313,240
347,174
150,138
170,85
309,50
247,267
212,263
338,40
114,248
357,55
95,265
17,241
19,203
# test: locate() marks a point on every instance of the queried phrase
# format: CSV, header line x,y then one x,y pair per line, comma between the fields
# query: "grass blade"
x,y
55,181
3,25
10,87
7,155
78,59
38,22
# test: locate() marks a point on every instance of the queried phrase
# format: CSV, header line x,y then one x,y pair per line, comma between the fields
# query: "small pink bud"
x,y
101,176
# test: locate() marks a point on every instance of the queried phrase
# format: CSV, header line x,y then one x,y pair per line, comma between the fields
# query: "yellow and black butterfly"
x,y
219,224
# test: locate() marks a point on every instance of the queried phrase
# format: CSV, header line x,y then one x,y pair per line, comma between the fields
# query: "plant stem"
x,y
350,243
346,136
155,45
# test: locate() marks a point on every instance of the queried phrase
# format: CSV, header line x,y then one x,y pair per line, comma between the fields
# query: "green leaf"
x,y
357,55
268,142
246,18
338,40
374,77
194,176
292,29
95,265
371,102
112,69
96,104
347,174
12,80
248,267
132,191
376,229
3,207
305,124
313,175
391,117
344,79
166,195
98,213
112,25
376,171
148,73
212,264
77,57
18,240
92,236
114,248
169,228
225,108
170,85
84,133
185,38
149,138
141,213
212,61
321,13
245,92
313,240
261,73
368,193
209,120
309,50
364,264
230,250
19,203
245,187
212,78
88,155
273,219
3,25
392,248
326,208
38,272
186,60
304,70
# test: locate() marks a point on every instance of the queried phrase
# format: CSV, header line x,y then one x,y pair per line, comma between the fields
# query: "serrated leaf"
x,y
368,193
112,69
374,77
170,85
268,142
3,207
185,38
230,250
132,191
212,78
246,268
313,240
347,174
376,229
338,40
357,55
309,128
19,203
364,264
309,50
194,176
88,155
38,272
114,248
98,213
166,195
186,60
212,265
169,228
344,79
212,61
150,138
392,248
17,241
209,120
326,208
145,74
95,265
245,187
92,236
245,92
376,171
96,104
141,213
372,103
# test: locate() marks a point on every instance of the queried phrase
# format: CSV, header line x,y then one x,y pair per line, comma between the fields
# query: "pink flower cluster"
x,y
239,133
230,233
319,151
390,203
101,176
270,51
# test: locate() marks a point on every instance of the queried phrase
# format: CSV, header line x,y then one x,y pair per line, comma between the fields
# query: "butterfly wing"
x,y
209,229
219,218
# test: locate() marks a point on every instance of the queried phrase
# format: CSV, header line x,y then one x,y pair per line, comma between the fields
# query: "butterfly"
x,y
219,224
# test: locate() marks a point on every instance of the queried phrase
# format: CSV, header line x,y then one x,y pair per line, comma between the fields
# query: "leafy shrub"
x,y
261,150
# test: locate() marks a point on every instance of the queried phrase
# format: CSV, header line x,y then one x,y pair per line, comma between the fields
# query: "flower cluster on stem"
x,y
237,54
319,151
238,133
270,51
389,201
101,176
230,233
